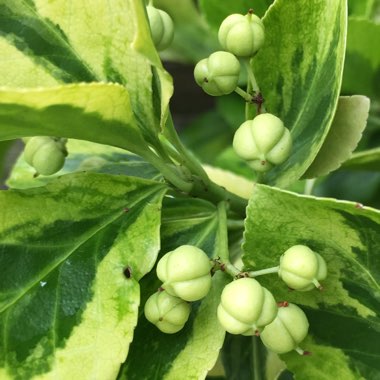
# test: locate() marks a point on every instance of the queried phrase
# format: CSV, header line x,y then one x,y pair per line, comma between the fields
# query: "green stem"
x,y
188,158
169,172
243,94
233,224
215,194
256,359
252,83
309,185
263,271
222,241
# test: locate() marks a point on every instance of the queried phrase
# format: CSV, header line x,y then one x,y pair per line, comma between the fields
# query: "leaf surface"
x,y
344,135
47,43
344,317
96,112
71,257
299,71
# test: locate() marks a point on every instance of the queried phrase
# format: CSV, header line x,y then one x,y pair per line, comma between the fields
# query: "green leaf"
x,y
193,351
362,67
344,317
96,112
365,160
216,11
299,72
344,135
67,305
47,43
88,157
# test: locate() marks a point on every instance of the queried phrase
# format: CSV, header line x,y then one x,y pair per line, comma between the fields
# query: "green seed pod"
x,y
168,313
45,154
246,307
301,268
161,26
218,74
185,273
263,141
287,330
242,35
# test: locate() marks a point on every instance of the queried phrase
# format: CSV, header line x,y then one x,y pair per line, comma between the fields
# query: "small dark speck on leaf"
x,y
127,272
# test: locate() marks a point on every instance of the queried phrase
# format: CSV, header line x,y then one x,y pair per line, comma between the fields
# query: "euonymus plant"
x,y
123,255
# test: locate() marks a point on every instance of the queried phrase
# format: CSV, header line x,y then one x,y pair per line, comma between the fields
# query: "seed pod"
x,y
218,74
161,26
301,268
263,142
185,273
246,307
168,313
287,330
45,154
242,35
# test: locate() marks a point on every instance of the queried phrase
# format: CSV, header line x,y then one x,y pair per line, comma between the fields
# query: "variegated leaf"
x,y
299,71
344,317
71,255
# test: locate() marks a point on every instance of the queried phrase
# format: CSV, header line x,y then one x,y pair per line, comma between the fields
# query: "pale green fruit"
x,y
301,268
218,74
168,313
246,307
45,154
161,26
185,273
263,142
242,35
287,330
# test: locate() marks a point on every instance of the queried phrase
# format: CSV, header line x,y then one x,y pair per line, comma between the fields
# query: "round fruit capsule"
x,y
218,74
242,35
301,268
185,273
161,26
263,142
168,313
287,330
246,307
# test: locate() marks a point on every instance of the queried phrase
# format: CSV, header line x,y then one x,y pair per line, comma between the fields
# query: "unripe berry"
x,y
168,313
161,26
246,307
185,273
287,330
242,35
263,142
301,268
218,74
45,154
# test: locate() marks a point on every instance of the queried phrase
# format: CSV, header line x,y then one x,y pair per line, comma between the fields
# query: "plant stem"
x,y
169,172
244,94
189,159
222,242
215,194
234,224
309,185
263,271
252,83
